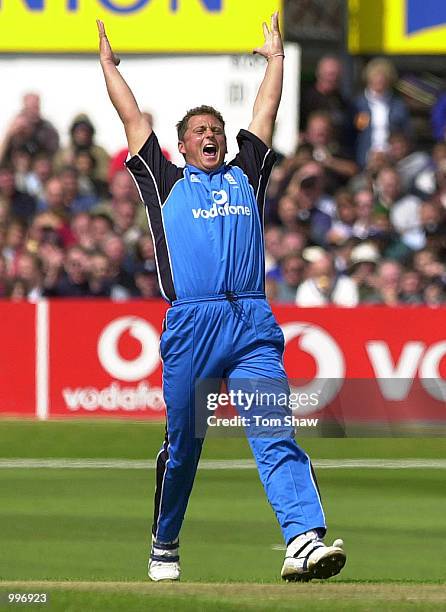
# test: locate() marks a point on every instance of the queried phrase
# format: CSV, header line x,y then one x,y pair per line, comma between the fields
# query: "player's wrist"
x,y
276,55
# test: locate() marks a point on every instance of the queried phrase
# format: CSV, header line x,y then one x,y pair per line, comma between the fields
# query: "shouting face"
x,y
204,143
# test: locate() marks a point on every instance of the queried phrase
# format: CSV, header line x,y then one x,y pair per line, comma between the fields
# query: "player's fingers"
x,y
275,22
265,30
101,28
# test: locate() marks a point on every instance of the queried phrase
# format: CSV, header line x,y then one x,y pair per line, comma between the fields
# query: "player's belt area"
x,y
230,296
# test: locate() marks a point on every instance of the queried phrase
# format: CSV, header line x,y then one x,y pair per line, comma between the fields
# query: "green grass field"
x,y
87,530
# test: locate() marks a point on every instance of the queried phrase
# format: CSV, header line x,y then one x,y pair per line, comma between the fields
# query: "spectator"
x,y
433,294
29,269
337,163
29,131
14,244
292,271
74,200
407,162
364,205
57,211
287,213
122,189
433,226
53,197
21,162
378,111
99,282
101,227
80,227
402,210
52,258
323,285
273,248
387,284
410,288
144,253
293,242
388,241
20,205
40,172
428,265
433,177
146,281
17,290
89,185
73,281
363,261
376,161
325,95
343,224
123,282
125,223
82,139
315,208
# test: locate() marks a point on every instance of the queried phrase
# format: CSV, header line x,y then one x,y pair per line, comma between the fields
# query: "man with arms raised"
x,y
206,223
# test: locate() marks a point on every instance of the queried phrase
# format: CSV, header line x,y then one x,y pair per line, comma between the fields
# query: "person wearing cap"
x,y
363,261
82,133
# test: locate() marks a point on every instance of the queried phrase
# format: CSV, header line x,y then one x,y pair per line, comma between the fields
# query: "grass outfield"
x,y
75,526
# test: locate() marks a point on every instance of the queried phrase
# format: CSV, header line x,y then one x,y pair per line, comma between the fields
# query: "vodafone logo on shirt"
x,y
221,208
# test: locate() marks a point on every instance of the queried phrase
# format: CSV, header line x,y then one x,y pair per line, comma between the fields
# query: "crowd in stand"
x,y
356,216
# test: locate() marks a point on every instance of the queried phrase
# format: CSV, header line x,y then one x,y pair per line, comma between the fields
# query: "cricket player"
x,y
206,223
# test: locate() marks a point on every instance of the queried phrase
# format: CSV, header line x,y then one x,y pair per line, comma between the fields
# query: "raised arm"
x,y
270,91
136,126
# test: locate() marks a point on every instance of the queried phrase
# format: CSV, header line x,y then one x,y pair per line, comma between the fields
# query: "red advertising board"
x,y
104,359
376,363
101,359
17,359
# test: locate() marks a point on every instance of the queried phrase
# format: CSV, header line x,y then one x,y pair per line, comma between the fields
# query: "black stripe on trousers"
x,y
160,471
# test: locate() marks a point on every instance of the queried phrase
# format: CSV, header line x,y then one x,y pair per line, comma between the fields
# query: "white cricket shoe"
x,y
308,558
164,561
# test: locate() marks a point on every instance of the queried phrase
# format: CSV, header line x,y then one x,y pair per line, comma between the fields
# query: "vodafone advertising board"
x,y
104,359
82,359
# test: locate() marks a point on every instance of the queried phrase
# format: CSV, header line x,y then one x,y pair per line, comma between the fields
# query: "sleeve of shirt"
x,y
153,174
256,160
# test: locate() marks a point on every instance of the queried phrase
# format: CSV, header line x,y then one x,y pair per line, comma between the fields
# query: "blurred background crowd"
x,y
356,216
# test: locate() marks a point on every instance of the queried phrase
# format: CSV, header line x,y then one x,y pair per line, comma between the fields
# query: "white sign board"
x,y
166,86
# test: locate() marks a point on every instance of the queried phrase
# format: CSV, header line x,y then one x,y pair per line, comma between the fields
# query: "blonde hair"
x,y
381,64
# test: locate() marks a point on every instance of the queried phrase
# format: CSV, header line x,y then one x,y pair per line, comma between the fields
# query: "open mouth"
x,y
210,150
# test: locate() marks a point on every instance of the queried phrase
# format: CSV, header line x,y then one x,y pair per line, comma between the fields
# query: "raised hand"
x,y
273,45
105,51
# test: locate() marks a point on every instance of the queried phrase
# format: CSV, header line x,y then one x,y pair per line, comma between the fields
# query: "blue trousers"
x,y
235,339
